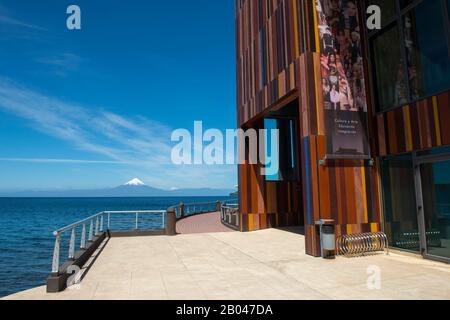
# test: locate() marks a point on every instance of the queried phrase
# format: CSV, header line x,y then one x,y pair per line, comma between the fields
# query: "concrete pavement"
x,y
268,264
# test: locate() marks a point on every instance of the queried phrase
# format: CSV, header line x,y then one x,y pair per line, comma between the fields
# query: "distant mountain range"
x,y
133,188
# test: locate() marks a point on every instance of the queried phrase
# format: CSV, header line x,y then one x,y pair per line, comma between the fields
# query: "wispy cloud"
x,y
142,143
8,20
61,161
88,129
64,61
62,64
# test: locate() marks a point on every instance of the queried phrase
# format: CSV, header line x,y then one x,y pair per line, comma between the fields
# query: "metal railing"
x,y
411,240
199,208
229,214
185,210
353,244
94,226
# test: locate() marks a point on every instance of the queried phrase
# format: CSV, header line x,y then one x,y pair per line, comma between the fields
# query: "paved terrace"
x,y
269,264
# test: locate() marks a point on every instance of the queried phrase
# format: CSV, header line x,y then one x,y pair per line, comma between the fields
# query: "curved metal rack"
x,y
354,244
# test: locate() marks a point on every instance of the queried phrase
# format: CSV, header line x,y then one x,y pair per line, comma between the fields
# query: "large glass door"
x,y
433,193
399,194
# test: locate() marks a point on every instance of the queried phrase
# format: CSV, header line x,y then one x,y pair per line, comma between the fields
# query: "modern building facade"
x,y
363,116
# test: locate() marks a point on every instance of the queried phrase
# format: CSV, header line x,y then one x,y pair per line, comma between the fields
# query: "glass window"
x,y
271,124
419,67
400,212
387,9
405,3
287,152
434,151
448,9
427,52
436,203
388,69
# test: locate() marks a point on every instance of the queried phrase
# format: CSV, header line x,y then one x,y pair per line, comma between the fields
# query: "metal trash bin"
x,y
327,238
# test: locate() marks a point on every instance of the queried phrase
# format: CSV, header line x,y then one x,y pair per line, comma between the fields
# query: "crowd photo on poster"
x,y
341,60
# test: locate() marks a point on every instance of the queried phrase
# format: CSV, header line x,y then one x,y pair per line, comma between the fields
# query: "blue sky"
x,y
95,107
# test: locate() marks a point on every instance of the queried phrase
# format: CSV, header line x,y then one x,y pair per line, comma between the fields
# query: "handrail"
x,y
96,227
134,211
200,203
76,224
231,205
183,210
196,204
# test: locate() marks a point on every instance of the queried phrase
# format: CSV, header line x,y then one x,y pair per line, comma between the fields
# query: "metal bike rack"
x,y
355,244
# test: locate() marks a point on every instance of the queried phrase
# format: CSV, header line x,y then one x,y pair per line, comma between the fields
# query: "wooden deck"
x,y
202,223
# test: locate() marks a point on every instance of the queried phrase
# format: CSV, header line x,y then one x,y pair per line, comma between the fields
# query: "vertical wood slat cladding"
x,y
346,191
270,37
267,204
418,126
277,54
269,42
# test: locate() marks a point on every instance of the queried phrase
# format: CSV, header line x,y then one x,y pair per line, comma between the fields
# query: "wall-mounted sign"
x,y
343,86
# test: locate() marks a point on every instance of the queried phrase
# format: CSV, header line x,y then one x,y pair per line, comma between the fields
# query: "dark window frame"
x,y
398,21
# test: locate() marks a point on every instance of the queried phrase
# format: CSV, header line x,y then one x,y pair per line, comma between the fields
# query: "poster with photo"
x,y
343,85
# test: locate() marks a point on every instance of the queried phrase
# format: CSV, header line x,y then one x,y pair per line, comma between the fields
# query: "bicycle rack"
x,y
356,244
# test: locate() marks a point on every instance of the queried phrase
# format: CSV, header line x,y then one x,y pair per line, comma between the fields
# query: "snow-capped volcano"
x,y
135,182
133,188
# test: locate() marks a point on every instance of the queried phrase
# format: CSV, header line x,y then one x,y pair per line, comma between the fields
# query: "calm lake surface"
x,y
26,226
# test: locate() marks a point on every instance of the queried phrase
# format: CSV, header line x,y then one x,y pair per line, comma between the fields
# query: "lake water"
x,y
26,226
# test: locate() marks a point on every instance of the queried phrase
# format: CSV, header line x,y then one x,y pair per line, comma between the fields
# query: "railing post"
x,y
96,227
55,262
72,245
171,222
137,221
91,231
101,222
218,206
83,237
237,218
109,220
182,210
163,221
